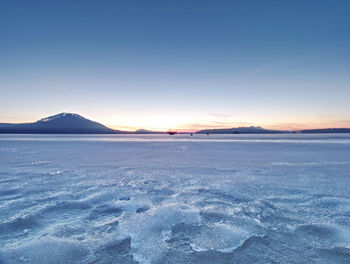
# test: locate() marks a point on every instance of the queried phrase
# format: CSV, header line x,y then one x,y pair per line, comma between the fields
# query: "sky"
x,y
181,64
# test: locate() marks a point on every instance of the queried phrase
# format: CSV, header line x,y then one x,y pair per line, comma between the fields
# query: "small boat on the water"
x,y
171,132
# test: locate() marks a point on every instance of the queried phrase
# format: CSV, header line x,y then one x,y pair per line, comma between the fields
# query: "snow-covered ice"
x,y
174,199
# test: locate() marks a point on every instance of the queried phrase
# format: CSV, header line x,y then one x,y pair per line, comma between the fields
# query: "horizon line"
x,y
198,126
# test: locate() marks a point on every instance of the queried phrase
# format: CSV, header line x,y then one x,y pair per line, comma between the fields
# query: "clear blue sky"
x,y
181,64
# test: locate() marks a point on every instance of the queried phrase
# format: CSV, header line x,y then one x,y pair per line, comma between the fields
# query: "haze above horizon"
x,y
177,64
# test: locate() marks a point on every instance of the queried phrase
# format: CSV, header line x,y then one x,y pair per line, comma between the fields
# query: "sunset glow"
x,y
174,131
140,67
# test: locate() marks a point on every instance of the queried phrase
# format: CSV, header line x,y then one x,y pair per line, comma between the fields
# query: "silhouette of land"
x,y
69,123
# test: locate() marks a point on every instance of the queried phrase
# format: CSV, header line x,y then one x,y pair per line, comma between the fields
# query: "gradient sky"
x,y
177,64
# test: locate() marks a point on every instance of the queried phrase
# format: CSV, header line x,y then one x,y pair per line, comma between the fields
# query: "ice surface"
x,y
174,199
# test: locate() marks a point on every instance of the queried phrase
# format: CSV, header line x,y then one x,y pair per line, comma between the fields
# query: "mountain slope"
x,y
64,123
326,130
240,130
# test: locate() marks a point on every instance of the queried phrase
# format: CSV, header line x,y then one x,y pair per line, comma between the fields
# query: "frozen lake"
x,y
174,199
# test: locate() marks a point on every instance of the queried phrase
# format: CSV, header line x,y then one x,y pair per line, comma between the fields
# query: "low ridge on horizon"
x,y
72,123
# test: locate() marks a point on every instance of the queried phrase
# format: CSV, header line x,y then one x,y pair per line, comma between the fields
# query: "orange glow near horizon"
x,y
187,123
192,127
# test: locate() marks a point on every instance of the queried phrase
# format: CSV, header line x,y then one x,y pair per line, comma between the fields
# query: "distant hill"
x,y
326,130
69,123
5,124
64,123
241,130
260,130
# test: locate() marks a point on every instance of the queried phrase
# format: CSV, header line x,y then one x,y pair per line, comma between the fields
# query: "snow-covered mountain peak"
x,y
61,115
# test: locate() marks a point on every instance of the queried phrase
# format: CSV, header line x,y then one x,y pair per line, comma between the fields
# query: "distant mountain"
x,y
5,124
240,130
69,123
260,130
326,130
64,123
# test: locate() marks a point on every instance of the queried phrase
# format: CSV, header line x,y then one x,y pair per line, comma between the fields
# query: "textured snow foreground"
x,y
181,199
